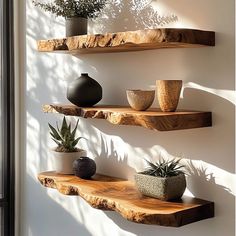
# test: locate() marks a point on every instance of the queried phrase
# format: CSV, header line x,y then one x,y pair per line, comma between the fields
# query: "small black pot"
x,y
84,91
84,167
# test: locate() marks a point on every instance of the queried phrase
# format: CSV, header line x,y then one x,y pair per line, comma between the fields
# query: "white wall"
x,y
208,74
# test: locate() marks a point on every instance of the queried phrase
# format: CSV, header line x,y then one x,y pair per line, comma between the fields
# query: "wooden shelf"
x,y
109,193
151,119
129,41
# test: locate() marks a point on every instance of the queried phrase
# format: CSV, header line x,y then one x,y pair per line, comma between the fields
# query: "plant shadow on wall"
x,y
130,15
109,158
200,181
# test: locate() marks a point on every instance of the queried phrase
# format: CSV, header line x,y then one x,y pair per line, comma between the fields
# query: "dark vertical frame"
x,y
8,117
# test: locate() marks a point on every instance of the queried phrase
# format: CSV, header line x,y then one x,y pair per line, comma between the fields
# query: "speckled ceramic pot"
x,y
162,188
140,100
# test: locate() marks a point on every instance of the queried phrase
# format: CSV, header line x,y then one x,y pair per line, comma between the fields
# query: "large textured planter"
x,y
63,161
84,91
76,26
168,93
162,188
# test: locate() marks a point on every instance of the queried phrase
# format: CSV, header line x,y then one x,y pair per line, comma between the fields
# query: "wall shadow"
x,y
130,15
41,205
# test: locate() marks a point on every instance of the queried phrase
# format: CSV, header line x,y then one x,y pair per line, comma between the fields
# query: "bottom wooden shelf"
x,y
109,193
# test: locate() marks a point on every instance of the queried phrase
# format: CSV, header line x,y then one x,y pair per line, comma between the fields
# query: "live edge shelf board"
x,y
129,41
151,119
109,193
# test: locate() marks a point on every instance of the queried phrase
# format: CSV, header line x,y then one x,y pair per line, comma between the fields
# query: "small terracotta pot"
x,y
168,93
140,100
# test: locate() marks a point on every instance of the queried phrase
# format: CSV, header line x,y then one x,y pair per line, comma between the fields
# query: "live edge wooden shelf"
x,y
151,119
110,193
129,41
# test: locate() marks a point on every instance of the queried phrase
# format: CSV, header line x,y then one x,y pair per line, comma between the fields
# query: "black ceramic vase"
x,y
84,91
84,167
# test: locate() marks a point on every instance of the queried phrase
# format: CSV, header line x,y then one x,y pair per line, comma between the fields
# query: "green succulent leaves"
x,y
72,8
64,137
164,168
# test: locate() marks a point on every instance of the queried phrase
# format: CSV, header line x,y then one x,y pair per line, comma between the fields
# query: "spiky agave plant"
x,y
164,168
64,137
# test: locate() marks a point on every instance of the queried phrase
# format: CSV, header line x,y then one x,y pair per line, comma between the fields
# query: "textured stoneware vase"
x,y
140,100
168,93
162,188
84,91
76,26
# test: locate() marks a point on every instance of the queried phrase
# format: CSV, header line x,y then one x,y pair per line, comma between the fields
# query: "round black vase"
x,y
84,91
84,167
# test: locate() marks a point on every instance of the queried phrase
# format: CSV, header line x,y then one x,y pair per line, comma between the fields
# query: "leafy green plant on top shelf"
x,y
75,12
73,8
164,180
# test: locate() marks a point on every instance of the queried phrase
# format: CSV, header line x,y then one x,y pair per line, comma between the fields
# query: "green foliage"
x,y
72,8
64,137
163,168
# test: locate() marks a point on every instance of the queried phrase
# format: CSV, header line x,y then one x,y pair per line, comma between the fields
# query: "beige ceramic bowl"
x,y
140,100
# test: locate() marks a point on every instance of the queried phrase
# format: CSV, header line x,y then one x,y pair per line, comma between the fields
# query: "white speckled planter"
x,y
63,161
161,188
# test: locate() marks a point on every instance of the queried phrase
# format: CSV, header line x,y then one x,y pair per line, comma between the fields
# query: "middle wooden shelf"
x,y
152,118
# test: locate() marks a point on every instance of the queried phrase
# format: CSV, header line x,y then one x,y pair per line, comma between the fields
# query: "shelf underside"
x,y
152,119
110,193
129,41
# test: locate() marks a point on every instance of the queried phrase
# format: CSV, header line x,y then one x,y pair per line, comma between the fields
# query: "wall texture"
x,y
208,74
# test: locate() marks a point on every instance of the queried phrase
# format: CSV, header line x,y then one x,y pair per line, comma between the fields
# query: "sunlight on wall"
x,y
120,150
229,95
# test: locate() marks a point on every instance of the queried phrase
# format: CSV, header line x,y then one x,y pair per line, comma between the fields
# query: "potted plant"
x,y
66,151
164,180
76,13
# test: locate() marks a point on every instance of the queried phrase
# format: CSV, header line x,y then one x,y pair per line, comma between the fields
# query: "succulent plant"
x,y
72,8
164,168
64,137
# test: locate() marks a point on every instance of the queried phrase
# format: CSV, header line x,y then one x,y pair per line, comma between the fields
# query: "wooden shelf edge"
x,y
152,119
109,193
129,41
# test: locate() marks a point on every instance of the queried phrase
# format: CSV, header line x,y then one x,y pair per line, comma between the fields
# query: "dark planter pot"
x,y
76,26
84,167
162,188
84,91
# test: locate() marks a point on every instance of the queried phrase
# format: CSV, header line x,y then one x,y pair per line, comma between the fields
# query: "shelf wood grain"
x,y
110,193
129,41
153,118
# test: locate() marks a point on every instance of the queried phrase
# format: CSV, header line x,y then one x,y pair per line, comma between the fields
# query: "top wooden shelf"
x,y
129,41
